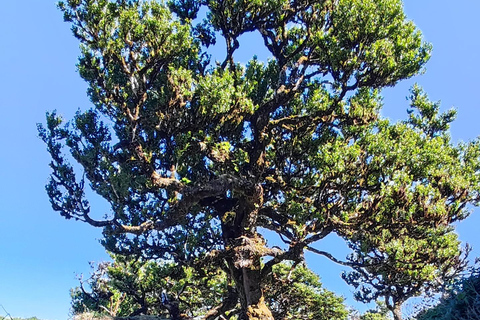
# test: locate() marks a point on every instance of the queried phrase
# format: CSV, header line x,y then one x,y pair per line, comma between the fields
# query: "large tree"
x,y
195,156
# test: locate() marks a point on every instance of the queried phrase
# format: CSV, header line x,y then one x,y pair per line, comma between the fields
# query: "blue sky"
x,y
40,252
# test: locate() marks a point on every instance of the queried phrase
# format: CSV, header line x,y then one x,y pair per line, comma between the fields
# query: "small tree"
x,y
131,287
193,157
419,254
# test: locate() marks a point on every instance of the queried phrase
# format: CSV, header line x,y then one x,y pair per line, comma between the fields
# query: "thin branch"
x,y
332,258
6,312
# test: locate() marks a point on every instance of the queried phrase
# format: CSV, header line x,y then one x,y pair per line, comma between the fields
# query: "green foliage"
x,y
427,117
193,157
420,250
374,316
297,293
128,287
379,313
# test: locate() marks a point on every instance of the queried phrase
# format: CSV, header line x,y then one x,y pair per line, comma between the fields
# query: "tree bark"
x,y
255,306
248,282
245,249
397,312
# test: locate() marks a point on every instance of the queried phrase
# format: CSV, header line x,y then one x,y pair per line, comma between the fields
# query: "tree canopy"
x,y
194,156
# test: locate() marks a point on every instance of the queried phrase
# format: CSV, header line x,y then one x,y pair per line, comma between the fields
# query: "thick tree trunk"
x,y
254,302
397,312
248,283
245,270
245,249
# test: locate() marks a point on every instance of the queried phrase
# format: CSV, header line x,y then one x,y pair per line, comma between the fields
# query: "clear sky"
x,y
41,253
